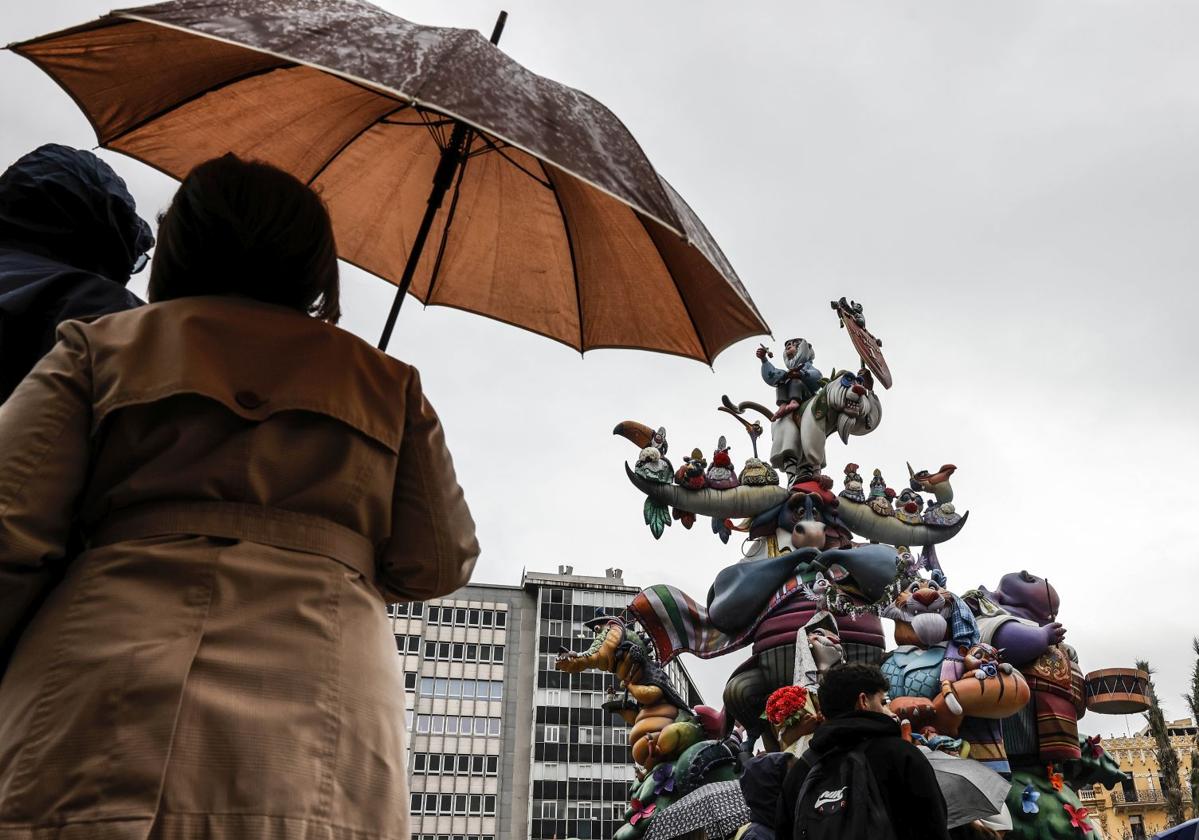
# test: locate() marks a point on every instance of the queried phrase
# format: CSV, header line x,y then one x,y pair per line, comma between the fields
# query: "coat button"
x,y
248,399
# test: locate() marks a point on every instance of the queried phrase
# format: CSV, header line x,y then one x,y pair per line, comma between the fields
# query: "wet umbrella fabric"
x,y
1188,830
719,809
972,791
557,222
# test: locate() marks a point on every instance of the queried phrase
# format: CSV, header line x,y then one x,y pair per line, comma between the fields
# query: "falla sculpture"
x,y
823,557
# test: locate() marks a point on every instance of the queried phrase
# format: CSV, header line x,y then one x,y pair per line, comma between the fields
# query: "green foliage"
x,y
1167,758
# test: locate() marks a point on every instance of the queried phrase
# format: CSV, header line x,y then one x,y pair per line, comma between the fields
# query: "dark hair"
x,y
841,685
247,228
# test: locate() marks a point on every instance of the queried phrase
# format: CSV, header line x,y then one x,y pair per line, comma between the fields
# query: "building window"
x,y
476,805
476,764
439,686
549,809
474,617
435,763
618,809
484,653
414,644
554,627
459,649
426,686
460,616
418,763
585,735
443,650
489,805
438,724
430,803
409,681
445,803
416,609
501,619
417,803
551,734
422,724
497,690
430,650
493,765
460,805
451,726
553,697
497,654
488,618
493,725
472,653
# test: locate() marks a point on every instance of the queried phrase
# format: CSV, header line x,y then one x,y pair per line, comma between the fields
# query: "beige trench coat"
x,y
215,661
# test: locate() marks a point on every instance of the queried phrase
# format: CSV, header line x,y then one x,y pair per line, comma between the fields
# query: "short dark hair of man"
x,y
841,685
247,228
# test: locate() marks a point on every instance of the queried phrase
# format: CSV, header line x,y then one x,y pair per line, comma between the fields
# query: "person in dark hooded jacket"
x,y
762,785
853,699
70,237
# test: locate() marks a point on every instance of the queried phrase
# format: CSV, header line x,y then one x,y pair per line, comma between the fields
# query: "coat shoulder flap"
x,y
256,359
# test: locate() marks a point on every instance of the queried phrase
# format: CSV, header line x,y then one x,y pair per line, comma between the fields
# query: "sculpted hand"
x,y
760,353
1054,633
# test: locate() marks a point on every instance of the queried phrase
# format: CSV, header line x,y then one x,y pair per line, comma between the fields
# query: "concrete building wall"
x,y
542,740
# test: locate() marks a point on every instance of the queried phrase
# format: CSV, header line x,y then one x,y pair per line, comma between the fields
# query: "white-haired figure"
x,y
793,386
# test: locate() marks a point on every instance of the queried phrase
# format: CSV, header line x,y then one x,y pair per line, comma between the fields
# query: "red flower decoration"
x,y
786,705
1093,747
641,812
1078,817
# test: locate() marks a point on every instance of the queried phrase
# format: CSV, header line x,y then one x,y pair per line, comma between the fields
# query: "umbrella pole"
x,y
451,158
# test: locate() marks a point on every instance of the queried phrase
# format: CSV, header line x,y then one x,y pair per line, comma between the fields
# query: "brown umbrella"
x,y
555,220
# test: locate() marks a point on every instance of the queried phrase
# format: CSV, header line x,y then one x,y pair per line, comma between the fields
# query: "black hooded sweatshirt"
x,y
905,779
70,237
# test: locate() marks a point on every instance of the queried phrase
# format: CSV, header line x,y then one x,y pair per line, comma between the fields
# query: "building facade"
x,y
1137,809
502,746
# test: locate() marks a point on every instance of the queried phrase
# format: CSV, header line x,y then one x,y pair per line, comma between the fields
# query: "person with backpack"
x,y
860,778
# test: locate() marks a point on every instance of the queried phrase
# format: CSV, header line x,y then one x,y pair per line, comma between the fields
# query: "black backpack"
x,y
840,799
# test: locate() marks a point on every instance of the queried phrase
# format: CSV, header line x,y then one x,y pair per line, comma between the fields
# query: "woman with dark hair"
x,y
204,504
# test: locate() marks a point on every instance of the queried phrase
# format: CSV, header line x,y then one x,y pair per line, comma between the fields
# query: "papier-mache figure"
x,y
793,386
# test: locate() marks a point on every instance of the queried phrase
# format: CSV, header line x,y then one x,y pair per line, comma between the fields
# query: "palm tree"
x,y
1167,758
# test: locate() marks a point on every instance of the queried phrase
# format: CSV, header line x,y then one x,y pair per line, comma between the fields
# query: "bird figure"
x,y
691,474
721,475
643,436
757,473
754,429
937,483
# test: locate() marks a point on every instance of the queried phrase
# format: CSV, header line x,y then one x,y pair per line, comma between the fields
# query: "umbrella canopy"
x,y
1188,830
972,791
555,221
718,809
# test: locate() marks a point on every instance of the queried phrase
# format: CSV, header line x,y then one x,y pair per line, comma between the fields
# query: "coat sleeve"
x,y
432,550
45,428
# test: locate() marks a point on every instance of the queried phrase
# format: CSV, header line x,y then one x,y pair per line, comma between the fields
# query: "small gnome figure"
x,y
721,475
909,507
853,484
881,495
691,474
757,473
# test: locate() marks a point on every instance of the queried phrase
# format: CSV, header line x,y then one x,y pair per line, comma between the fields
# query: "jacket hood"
x,y
70,206
762,784
847,731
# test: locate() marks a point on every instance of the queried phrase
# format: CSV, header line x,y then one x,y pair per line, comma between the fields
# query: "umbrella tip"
x,y
499,27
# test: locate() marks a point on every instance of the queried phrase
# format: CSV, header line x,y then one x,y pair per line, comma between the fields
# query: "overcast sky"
x,y
1011,189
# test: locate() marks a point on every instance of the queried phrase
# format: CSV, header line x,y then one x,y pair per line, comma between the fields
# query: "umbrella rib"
x,y
570,245
679,290
321,169
500,152
187,100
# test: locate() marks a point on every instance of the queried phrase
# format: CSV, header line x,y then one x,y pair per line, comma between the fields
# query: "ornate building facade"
x,y
1137,809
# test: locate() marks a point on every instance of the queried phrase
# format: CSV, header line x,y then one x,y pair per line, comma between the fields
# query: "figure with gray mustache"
x,y
793,386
